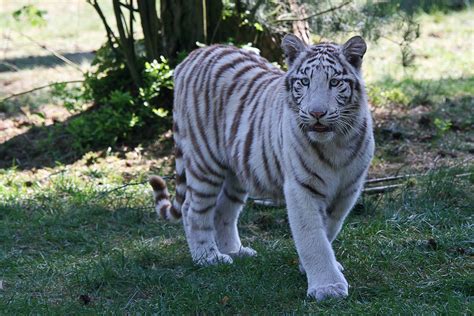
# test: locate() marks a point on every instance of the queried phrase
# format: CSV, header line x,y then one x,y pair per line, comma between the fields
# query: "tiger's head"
x,y
324,85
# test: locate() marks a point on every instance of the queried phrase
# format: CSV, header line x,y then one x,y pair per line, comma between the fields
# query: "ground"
x,y
79,233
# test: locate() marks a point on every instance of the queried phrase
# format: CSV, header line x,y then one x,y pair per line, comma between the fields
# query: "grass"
x,y
70,243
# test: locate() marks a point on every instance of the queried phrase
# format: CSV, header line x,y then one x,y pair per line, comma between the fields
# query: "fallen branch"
x,y
381,189
405,176
39,88
316,14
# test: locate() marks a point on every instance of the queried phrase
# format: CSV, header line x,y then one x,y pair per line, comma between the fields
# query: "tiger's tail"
x,y
170,211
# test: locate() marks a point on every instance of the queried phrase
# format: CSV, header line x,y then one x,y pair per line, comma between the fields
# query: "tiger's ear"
x,y
292,46
354,49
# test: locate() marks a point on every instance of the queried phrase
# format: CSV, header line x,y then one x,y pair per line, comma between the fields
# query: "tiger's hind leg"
x,y
230,202
201,196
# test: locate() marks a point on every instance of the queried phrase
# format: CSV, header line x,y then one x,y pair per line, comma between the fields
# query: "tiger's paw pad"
x,y
214,259
336,290
243,252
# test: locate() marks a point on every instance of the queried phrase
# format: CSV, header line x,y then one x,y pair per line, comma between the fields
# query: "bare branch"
x,y
55,53
317,13
111,37
39,88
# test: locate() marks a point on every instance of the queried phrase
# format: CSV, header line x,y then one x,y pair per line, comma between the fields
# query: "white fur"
x,y
222,166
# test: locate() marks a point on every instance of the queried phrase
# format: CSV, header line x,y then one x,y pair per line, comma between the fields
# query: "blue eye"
x,y
333,82
305,81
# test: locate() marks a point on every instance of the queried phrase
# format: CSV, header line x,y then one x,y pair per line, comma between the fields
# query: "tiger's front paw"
x,y
243,252
213,259
335,290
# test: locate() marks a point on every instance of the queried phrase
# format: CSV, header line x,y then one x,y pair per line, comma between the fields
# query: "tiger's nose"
x,y
318,115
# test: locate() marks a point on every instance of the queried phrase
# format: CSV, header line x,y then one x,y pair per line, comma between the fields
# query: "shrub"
x,y
120,110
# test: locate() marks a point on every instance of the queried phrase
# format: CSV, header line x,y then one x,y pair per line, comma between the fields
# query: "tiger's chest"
x,y
329,171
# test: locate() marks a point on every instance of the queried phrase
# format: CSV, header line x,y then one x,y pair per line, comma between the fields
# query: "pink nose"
x,y
318,114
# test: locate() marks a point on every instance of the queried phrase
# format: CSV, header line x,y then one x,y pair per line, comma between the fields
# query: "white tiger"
x,y
243,126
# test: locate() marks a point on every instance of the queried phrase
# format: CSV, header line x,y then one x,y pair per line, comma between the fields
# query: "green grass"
x,y
63,238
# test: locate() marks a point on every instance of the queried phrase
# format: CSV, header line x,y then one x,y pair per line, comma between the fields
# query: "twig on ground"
x,y
121,187
53,174
407,176
39,88
386,179
381,189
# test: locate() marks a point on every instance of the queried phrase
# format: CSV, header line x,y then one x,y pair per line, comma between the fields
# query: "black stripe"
x,y
202,195
180,178
175,212
233,198
200,128
240,110
197,148
358,147
321,156
191,57
353,181
202,178
204,209
265,161
207,105
307,169
179,198
201,228
311,189
247,148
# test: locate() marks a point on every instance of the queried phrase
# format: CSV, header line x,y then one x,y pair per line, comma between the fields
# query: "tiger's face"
x,y
324,85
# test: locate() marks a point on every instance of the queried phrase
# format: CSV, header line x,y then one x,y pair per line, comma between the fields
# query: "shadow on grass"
x,y
30,62
96,129
414,92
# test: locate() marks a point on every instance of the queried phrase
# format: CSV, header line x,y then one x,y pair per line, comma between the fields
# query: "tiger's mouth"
x,y
320,128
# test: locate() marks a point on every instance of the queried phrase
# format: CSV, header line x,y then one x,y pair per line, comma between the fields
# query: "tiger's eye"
x,y
305,81
333,82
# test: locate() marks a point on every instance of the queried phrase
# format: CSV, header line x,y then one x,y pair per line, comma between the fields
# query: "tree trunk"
x,y
300,26
151,28
182,25
185,22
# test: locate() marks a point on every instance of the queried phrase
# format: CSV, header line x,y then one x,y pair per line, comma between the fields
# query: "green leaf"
x,y
160,112
30,14
258,27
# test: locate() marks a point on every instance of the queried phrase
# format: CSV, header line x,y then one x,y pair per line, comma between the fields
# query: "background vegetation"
x,y
77,227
